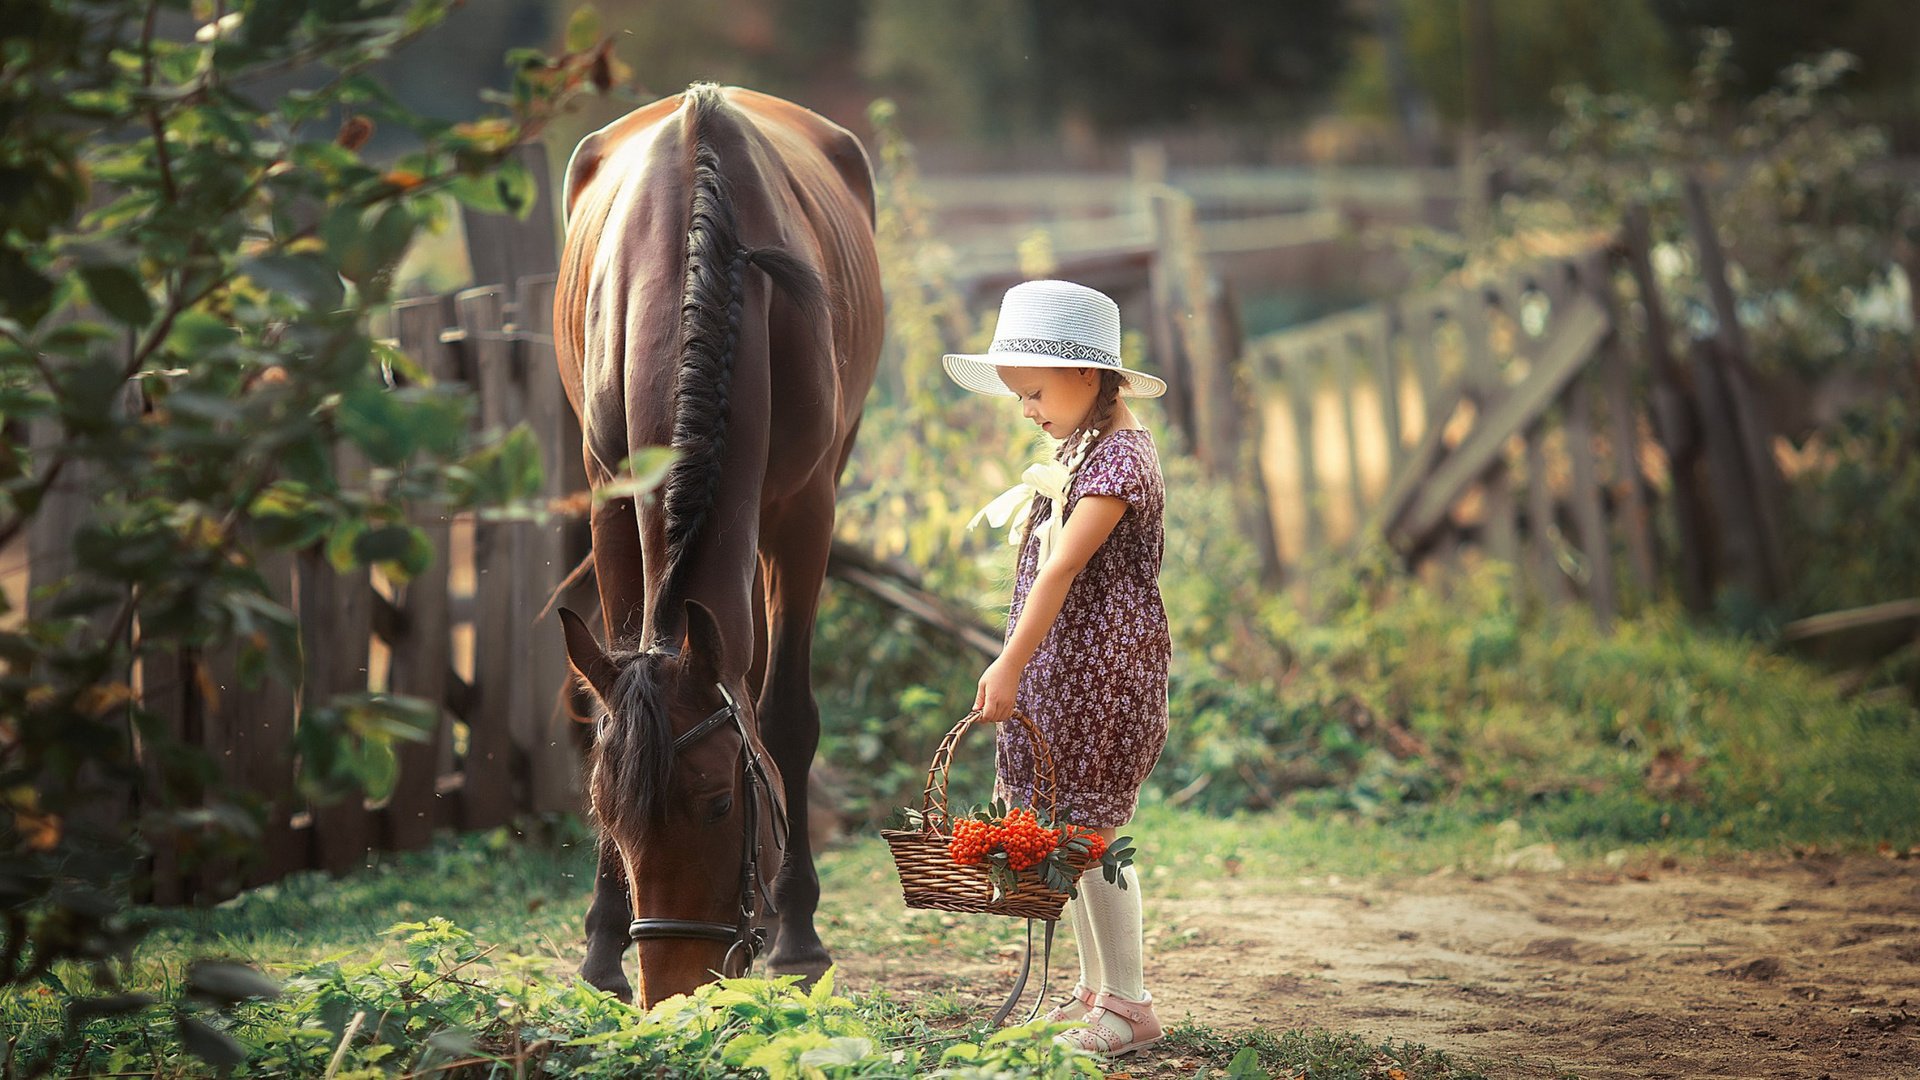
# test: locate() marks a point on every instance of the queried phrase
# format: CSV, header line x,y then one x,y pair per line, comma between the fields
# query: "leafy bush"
x,y
456,1007
1364,690
187,267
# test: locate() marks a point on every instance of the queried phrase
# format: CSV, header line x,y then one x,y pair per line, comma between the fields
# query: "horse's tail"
x,y
711,309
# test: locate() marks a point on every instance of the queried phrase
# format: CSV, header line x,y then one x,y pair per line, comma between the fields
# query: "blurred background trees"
x,y
1005,81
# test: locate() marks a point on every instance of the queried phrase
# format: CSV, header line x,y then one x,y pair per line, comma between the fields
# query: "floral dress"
x,y
1097,685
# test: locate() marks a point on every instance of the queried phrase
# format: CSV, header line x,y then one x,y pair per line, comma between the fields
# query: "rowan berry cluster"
x,y
1096,844
1019,834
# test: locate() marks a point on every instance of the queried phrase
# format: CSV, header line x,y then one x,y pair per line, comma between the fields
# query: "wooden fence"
x,y
463,635
1540,418
1259,229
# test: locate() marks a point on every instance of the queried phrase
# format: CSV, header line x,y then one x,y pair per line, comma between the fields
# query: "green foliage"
x,y
449,1003
186,271
1853,505
1366,692
1611,45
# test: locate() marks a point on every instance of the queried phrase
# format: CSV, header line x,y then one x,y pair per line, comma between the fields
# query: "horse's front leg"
x,y
790,718
608,920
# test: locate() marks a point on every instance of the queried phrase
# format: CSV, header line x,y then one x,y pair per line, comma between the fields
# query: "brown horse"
x,y
719,294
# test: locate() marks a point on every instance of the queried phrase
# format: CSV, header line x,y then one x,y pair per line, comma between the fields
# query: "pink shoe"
x,y
1101,1039
1060,1014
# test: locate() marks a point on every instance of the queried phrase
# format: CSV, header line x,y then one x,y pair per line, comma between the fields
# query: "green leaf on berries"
x,y
1002,877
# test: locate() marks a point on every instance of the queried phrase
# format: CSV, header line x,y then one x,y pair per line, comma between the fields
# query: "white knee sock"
x,y
1115,915
1084,942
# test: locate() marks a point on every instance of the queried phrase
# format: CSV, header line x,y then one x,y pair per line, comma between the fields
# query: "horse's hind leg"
x,y
799,539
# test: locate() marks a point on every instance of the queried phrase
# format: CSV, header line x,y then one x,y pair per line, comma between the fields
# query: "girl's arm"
x,y
1094,517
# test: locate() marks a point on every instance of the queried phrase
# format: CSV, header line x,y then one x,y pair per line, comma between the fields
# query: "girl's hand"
x,y
998,686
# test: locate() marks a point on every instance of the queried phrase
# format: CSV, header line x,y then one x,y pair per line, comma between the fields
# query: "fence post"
x,y
246,731
1751,428
1630,488
1217,428
1673,423
423,654
1163,320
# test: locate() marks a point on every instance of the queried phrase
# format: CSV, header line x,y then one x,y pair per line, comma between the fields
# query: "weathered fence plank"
x,y
499,637
1301,383
423,649
1542,532
1486,390
1344,356
336,628
1753,435
1588,516
1628,485
1218,428
259,723
1386,375
1673,425
550,749
1570,349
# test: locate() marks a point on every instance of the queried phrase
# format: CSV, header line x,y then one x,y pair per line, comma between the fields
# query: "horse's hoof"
x,y
809,964
614,983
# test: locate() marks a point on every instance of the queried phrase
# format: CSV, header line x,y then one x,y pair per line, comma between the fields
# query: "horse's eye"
x,y
719,808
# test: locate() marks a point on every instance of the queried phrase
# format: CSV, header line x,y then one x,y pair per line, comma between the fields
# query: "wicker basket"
x,y
930,878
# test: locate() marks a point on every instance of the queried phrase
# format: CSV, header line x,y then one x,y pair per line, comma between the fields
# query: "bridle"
x,y
743,937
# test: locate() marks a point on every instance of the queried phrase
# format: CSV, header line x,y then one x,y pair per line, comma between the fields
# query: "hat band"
x,y
1065,350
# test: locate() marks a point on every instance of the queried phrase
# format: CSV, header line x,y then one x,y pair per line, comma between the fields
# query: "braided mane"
x,y
711,307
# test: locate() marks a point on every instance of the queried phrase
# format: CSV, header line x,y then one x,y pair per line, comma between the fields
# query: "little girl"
x,y
1087,646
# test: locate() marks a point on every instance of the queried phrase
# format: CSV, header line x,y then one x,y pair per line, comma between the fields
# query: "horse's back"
x,y
801,182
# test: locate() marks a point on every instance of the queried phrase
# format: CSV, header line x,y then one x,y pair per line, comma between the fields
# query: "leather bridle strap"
x,y
742,936
642,929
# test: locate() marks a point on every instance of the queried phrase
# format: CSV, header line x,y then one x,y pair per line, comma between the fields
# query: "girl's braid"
x,y
1078,445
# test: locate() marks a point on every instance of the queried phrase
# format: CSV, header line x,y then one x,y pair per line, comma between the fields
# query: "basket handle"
x,y
933,801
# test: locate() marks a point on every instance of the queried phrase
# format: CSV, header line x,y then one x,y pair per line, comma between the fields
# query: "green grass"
x,y
1542,733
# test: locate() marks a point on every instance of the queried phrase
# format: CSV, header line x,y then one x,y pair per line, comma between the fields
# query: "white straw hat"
x,y
1055,324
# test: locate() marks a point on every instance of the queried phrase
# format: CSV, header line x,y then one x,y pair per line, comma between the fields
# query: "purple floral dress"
x,y
1097,685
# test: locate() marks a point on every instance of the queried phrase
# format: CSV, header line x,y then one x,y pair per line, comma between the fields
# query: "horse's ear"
x,y
705,647
585,656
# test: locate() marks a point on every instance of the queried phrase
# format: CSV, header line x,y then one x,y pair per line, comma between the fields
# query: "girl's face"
x,y
1057,399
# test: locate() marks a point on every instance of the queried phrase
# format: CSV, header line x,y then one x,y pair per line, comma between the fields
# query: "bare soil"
x,y
1771,966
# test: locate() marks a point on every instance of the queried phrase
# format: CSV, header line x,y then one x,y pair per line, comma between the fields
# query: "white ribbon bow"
x,y
1043,479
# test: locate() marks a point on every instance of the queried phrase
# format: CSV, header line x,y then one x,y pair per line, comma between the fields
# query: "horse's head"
x,y
679,781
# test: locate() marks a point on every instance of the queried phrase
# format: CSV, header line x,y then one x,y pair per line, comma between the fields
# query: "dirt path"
x,y
1773,968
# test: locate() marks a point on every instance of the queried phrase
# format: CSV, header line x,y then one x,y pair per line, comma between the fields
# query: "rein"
x,y
742,938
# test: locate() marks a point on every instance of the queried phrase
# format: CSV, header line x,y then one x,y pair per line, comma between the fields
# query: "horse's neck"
x,y
714,578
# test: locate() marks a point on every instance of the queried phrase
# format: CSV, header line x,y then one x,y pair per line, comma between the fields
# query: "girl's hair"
x,y
1075,448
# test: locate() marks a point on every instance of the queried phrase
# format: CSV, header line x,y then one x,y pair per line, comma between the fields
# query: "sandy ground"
x,y
1770,967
